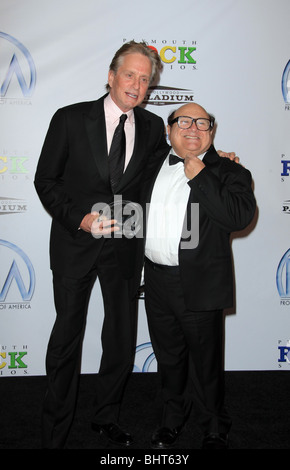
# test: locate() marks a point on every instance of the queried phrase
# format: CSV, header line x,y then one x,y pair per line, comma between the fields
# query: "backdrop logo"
x,y
19,277
12,206
144,358
285,168
13,167
17,69
286,207
286,85
283,279
175,54
284,354
13,360
164,96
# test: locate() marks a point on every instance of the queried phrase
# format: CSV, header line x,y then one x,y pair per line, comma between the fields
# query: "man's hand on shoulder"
x,y
231,155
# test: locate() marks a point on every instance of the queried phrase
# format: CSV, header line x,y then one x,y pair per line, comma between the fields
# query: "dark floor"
x,y
257,402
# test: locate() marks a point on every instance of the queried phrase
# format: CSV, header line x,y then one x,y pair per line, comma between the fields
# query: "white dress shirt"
x,y
166,214
112,117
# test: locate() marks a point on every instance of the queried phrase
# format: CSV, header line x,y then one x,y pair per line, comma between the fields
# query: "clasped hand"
x,y
193,165
97,224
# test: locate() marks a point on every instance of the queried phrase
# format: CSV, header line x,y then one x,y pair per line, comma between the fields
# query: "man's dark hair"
x,y
133,47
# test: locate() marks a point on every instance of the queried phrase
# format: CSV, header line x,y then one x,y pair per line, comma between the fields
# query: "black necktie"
x,y
173,159
117,153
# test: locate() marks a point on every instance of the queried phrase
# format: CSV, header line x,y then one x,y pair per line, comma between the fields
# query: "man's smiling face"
x,y
190,141
130,83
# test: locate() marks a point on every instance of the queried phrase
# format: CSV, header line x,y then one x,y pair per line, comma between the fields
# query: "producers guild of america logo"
x,y
286,207
17,71
17,278
283,279
286,86
145,360
284,354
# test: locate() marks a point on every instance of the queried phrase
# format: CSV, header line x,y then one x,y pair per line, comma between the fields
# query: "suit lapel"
x,y
96,131
211,157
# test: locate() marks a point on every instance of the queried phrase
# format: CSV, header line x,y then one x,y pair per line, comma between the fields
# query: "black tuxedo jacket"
x,y
223,190
73,175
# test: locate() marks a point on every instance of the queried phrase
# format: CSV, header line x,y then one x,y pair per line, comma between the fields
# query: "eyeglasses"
x,y
185,122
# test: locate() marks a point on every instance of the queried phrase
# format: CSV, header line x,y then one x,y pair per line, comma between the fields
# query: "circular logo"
x,y
18,268
286,83
145,358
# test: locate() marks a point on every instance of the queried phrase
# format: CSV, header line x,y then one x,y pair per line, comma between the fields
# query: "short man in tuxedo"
x,y
194,206
75,172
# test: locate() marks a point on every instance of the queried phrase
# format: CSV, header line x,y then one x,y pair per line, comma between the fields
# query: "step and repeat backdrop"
x,y
230,56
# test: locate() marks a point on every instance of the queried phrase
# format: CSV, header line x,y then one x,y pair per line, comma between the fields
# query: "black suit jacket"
x,y
73,175
223,190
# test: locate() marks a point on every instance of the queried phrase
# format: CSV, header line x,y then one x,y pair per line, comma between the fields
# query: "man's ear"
x,y
111,76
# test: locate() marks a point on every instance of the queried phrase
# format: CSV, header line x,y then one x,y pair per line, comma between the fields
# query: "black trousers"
x,y
65,346
189,350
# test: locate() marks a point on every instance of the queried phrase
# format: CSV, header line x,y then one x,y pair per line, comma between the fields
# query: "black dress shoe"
x,y
114,433
163,438
215,441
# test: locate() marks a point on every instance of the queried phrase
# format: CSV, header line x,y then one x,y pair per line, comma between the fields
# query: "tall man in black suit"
x,y
194,205
73,175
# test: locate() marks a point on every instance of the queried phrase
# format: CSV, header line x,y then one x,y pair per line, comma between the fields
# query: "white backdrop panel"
x,y
229,56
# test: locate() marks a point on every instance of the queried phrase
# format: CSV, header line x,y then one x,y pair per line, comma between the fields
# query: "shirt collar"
x,y
174,153
114,112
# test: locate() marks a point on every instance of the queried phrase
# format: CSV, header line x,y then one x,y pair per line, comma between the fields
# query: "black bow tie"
x,y
173,159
